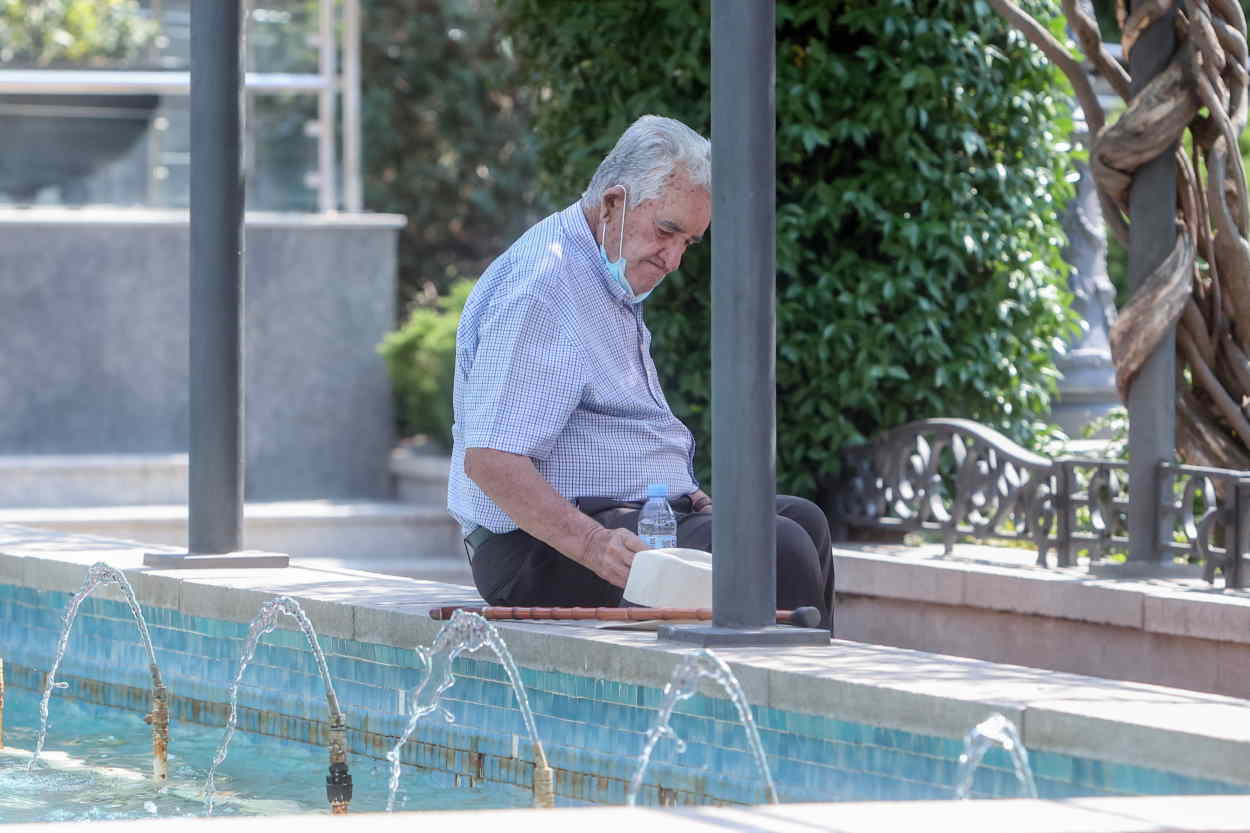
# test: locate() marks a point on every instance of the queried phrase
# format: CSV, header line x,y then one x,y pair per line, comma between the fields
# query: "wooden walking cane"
x,y
803,617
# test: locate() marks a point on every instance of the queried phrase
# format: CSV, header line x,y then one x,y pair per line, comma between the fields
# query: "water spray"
x,y
683,685
339,780
98,574
468,631
995,730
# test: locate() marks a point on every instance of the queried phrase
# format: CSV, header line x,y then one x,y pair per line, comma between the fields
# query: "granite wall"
x,y
94,342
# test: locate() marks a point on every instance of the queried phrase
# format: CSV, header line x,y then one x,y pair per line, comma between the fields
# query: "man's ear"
x,y
610,205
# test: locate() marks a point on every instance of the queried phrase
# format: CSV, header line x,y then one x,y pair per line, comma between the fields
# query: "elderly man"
x,y
560,422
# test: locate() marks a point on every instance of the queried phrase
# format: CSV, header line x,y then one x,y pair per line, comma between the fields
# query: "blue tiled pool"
x,y
592,729
99,758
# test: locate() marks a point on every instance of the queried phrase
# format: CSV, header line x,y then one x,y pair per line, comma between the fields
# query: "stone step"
x,y
449,570
77,480
379,536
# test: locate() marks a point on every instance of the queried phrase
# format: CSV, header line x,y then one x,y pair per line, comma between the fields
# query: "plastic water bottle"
x,y
657,525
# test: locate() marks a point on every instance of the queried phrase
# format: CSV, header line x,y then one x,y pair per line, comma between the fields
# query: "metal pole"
x,y
326,198
1152,397
217,187
353,186
744,389
1240,549
744,261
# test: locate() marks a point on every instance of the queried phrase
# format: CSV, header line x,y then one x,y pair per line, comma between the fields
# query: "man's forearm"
x,y
514,484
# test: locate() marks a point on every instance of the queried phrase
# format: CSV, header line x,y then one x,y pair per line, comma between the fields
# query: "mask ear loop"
x,y
603,227
620,249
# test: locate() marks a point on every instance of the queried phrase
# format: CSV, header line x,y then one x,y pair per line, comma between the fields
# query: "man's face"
x,y
657,232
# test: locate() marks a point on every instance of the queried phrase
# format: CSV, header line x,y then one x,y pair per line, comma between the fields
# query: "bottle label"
x,y
656,542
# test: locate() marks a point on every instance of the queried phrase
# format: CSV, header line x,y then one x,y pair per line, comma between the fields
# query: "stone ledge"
x,y
273,511
420,475
71,480
1137,723
1003,579
370,532
425,465
1206,813
16,463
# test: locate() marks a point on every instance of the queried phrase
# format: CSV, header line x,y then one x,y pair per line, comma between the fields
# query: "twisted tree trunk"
x,y
1203,286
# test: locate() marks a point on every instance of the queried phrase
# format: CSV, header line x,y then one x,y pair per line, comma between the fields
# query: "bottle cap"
x,y
657,490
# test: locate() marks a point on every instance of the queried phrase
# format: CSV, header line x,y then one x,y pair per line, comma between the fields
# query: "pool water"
x,y
100,761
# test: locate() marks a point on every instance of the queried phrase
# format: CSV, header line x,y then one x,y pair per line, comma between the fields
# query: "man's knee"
x,y
807,515
802,510
802,575
796,552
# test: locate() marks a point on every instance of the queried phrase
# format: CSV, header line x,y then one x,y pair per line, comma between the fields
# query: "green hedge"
x,y
420,357
921,158
447,142
73,33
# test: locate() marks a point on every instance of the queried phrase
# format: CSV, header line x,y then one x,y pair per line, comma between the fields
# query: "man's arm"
x,y
516,487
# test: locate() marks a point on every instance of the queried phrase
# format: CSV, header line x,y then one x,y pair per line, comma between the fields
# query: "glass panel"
x,y
134,150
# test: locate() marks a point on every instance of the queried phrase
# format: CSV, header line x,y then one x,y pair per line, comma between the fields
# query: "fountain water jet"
x,y
467,631
339,780
683,685
995,730
98,574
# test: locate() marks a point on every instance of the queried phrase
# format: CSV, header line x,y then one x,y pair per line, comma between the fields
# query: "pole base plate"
x,y
712,635
243,559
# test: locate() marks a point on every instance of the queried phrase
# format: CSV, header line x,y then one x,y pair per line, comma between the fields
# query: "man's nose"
x,y
672,256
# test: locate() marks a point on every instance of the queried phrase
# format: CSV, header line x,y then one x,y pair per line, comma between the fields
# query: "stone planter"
x,y
62,139
420,474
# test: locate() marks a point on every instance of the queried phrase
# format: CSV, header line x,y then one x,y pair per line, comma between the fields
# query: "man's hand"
x,y
610,553
700,502
512,481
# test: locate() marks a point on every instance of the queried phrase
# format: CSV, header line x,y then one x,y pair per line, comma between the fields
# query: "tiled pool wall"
x,y
593,730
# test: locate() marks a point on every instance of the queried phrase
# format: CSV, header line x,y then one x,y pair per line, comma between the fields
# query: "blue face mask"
x,y
616,268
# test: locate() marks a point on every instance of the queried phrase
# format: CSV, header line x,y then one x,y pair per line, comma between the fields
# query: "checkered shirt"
x,y
554,363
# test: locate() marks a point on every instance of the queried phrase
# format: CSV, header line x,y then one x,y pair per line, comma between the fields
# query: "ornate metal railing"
x,y
1206,519
961,479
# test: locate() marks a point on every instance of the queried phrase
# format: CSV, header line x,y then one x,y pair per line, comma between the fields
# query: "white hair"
x,y
649,152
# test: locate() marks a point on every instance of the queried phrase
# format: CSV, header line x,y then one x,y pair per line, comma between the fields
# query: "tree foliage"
x,y
448,144
920,167
73,33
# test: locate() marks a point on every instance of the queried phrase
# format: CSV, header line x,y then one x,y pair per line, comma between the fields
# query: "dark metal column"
x,y
744,265
1152,397
216,477
744,259
216,357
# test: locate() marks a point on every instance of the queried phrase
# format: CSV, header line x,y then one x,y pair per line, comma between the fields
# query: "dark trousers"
x,y
516,569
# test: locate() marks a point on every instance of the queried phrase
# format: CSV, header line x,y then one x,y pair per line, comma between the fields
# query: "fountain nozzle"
x,y
544,786
338,788
158,718
339,780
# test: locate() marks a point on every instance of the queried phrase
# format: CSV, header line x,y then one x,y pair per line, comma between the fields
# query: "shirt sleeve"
x,y
525,381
